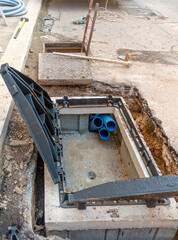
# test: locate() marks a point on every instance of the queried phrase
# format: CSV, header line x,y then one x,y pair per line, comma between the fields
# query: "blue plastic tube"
x,y
91,116
95,124
104,133
109,122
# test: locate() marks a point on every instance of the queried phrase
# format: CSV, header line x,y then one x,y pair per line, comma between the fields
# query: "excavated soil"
x,y
164,155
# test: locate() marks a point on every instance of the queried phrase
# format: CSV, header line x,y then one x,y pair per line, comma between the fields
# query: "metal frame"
x,y
43,120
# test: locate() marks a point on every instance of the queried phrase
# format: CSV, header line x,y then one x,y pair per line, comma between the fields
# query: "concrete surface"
x,y
7,31
81,157
145,25
60,219
15,54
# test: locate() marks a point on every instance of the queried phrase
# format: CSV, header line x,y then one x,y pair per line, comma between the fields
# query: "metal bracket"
x,y
65,102
110,100
47,26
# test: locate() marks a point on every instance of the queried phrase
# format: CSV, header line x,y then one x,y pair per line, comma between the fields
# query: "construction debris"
x,y
18,190
80,21
127,56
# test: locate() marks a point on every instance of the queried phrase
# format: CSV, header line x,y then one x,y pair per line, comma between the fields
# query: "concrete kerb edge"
x,y
20,65
6,123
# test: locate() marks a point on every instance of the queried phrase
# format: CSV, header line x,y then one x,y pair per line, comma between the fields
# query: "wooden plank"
x,y
93,58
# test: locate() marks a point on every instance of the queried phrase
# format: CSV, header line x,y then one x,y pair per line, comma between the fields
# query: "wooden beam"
x,y
94,58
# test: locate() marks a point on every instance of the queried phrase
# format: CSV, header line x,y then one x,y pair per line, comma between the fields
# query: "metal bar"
x,y
142,188
91,18
92,27
86,26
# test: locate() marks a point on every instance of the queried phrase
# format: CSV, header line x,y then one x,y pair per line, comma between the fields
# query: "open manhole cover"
x,y
71,143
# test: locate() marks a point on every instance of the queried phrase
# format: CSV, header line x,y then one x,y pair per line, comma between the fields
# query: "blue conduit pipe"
x,y
109,122
95,124
91,116
12,8
104,133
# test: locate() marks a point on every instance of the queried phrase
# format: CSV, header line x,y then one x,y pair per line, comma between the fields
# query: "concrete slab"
x,y
59,70
61,219
15,54
7,31
4,17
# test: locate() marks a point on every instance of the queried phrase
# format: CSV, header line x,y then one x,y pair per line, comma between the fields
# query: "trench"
x,y
38,218
149,128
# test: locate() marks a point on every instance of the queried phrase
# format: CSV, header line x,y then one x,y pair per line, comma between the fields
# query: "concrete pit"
x,y
112,160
